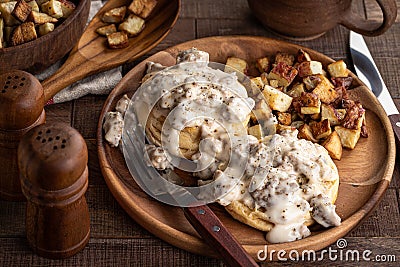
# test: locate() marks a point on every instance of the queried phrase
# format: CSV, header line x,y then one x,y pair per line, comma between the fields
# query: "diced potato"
x,y
286,58
256,85
142,8
276,99
296,90
338,69
321,130
308,68
302,56
284,118
261,112
23,33
311,82
117,40
333,145
41,18
348,137
256,131
325,90
34,5
330,113
310,103
262,64
283,73
52,8
6,10
281,128
21,10
46,28
297,124
234,64
133,25
306,133
115,15
106,30
67,8
274,83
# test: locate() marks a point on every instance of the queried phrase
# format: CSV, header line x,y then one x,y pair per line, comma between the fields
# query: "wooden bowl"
x,y
362,181
37,55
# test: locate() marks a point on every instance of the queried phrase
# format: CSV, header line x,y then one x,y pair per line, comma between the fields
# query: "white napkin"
x,y
98,84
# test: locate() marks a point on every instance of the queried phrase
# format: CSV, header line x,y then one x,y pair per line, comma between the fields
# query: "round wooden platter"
x,y
370,164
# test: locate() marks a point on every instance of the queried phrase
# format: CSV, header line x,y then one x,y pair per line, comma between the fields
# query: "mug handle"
x,y
366,27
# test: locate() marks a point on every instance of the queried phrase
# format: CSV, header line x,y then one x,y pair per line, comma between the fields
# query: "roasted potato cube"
x,y
117,40
306,133
321,130
302,56
41,18
284,118
46,28
307,68
67,8
283,73
256,85
115,15
6,10
286,58
309,103
133,25
261,112
256,131
325,90
23,33
262,64
142,8
34,5
297,124
281,128
348,137
274,83
21,10
333,145
106,30
53,8
330,113
296,90
276,99
338,69
234,64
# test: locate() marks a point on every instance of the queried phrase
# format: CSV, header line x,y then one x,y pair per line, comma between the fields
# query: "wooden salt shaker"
x,y
52,159
21,108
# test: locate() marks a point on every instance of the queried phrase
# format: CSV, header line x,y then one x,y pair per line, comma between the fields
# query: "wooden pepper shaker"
x,y
21,108
52,160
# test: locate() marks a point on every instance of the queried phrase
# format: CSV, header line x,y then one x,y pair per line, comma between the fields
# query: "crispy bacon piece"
x,y
354,111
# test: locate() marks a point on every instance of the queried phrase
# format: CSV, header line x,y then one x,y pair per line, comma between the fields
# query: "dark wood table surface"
x,y
117,240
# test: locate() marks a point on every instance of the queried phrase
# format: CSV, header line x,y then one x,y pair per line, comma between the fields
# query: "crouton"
x,y
133,25
117,40
276,99
21,10
142,8
106,30
333,145
115,15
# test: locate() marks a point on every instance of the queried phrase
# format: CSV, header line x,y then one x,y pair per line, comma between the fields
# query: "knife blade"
x,y
369,74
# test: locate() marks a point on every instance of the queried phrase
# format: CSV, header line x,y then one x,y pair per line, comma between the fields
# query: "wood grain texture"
x,y
92,55
162,221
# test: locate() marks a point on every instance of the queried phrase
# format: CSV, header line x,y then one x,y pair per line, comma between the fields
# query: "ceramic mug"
x,y
308,19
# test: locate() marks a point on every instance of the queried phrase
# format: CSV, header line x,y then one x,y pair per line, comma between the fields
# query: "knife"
x,y
368,73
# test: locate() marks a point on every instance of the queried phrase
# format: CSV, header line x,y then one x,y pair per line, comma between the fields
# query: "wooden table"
x,y
118,240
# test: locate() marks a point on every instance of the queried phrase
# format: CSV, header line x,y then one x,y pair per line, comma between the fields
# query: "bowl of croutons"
x,y
34,34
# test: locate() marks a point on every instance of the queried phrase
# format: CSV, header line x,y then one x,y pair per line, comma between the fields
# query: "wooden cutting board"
x,y
370,164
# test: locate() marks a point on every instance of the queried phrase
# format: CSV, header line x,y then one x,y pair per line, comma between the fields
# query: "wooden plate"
x,y
169,223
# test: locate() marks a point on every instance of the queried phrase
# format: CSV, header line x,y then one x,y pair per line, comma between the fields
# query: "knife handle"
x,y
395,121
217,236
